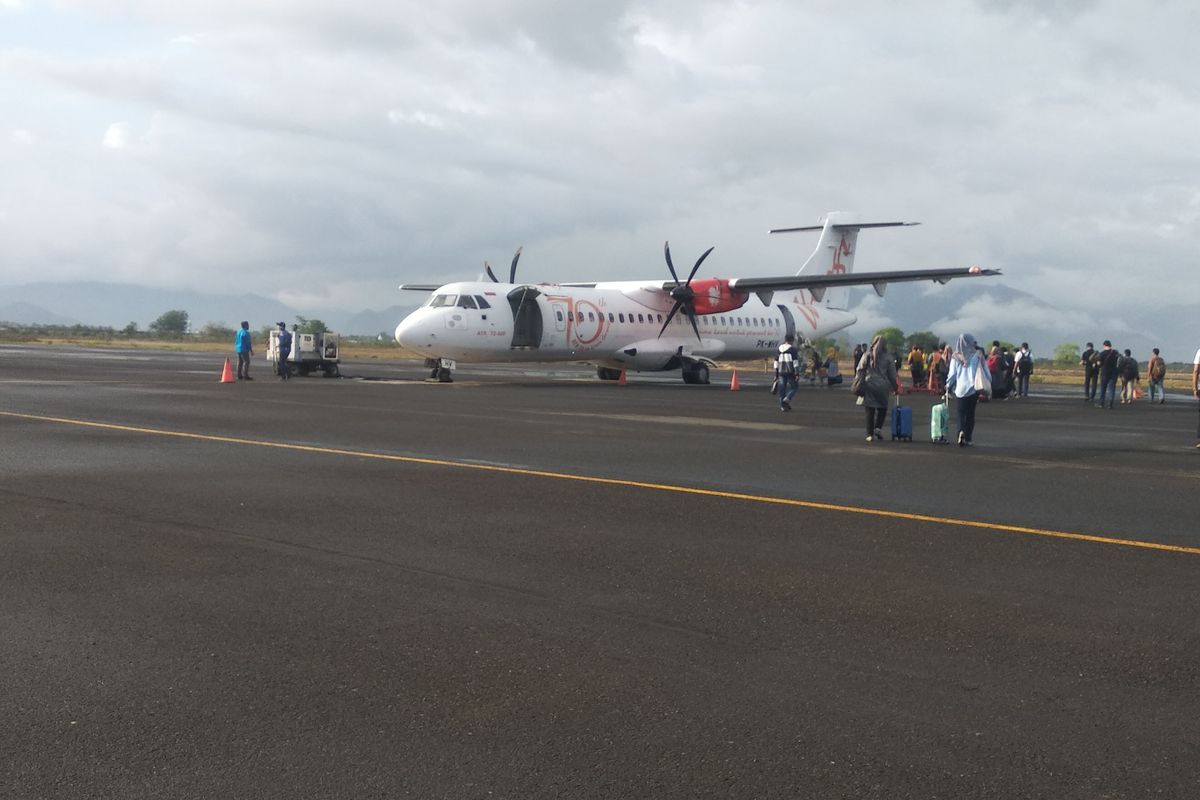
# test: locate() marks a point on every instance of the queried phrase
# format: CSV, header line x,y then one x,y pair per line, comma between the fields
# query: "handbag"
x,y
858,385
775,386
983,380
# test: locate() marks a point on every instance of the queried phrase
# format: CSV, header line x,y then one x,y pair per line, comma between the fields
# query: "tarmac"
x,y
530,583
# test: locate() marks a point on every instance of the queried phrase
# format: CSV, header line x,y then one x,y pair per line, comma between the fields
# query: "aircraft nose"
x,y
413,335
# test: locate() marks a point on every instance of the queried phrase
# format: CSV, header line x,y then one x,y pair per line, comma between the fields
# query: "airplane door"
x,y
789,322
527,317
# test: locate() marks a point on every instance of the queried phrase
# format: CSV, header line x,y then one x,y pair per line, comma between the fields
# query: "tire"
x,y
443,375
608,374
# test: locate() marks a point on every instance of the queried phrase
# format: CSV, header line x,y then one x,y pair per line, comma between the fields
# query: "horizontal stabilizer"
x,y
849,226
421,287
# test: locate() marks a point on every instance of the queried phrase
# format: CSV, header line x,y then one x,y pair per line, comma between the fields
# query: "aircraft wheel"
x,y
443,375
608,373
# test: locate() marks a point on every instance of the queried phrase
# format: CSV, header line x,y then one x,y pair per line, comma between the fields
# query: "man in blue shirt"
x,y
245,348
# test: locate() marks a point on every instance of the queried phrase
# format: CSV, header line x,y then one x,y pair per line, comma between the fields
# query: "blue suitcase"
x,y
901,422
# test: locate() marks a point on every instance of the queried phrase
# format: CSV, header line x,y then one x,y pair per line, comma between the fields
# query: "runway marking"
x,y
689,421
661,487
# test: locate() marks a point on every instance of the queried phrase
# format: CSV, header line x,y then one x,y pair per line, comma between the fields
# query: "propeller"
x,y
682,293
512,270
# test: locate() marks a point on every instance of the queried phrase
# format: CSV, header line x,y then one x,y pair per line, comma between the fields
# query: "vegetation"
x,y
1066,355
170,323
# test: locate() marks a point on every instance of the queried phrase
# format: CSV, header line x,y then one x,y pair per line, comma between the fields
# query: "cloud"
x,y
116,136
406,141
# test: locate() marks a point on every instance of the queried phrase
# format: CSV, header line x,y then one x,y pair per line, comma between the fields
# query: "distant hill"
x,y
21,313
990,309
993,310
116,305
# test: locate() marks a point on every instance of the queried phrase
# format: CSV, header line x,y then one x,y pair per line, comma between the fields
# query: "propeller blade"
x,y
674,309
699,261
670,266
488,268
512,271
691,315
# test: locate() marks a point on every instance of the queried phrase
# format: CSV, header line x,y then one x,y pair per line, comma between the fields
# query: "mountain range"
x,y
116,305
990,310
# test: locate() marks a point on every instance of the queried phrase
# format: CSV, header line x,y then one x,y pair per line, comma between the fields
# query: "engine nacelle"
x,y
713,296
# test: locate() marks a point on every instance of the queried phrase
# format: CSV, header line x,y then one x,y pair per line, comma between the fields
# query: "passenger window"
x,y
610,317
641,318
558,315
591,317
579,316
482,303
466,301
621,317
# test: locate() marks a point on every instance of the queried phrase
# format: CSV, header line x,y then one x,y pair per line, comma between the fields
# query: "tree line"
x,y
173,325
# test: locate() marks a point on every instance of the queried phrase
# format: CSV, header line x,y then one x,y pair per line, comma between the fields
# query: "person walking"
x,y
1106,361
1127,366
243,345
1196,388
1091,372
1022,369
283,350
965,381
878,369
1156,371
916,365
787,372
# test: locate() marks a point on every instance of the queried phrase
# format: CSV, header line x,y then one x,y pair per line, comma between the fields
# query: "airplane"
x,y
650,325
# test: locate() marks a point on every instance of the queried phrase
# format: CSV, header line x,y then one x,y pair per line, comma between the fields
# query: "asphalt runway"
x,y
533,584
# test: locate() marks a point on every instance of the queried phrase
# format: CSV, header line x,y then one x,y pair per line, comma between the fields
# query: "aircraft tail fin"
x,y
834,253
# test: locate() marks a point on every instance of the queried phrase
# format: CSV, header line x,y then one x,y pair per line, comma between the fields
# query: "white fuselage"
x,y
610,324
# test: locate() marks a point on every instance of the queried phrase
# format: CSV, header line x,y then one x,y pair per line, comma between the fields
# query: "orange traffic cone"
x,y
227,373
621,380
734,385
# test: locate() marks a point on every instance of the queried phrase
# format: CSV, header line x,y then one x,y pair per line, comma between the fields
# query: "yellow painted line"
x,y
661,487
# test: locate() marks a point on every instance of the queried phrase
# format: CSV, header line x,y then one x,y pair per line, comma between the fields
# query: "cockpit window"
x,y
466,301
443,300
482,303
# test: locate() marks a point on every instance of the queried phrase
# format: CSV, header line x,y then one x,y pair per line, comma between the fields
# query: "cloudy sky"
x,y
321,153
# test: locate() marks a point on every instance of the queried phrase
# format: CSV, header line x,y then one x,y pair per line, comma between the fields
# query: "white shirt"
x,y
1196,362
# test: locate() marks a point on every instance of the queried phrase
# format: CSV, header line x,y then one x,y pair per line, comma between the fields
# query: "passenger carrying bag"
x,y
858,385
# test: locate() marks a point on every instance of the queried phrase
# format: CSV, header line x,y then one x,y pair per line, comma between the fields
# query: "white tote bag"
x,y
983,379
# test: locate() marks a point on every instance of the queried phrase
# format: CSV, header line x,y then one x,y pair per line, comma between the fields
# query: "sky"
x,y
321,153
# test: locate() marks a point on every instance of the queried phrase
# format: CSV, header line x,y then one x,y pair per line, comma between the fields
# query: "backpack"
x,y
787,362
1158,368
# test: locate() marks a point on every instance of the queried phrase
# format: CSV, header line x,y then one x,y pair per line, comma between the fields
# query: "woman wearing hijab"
x,y
879,382
966,364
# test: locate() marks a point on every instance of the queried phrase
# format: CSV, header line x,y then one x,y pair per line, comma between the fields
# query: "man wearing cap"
x,y
283,349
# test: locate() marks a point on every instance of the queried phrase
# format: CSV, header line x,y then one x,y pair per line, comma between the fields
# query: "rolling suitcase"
x,y
901,422
939,423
